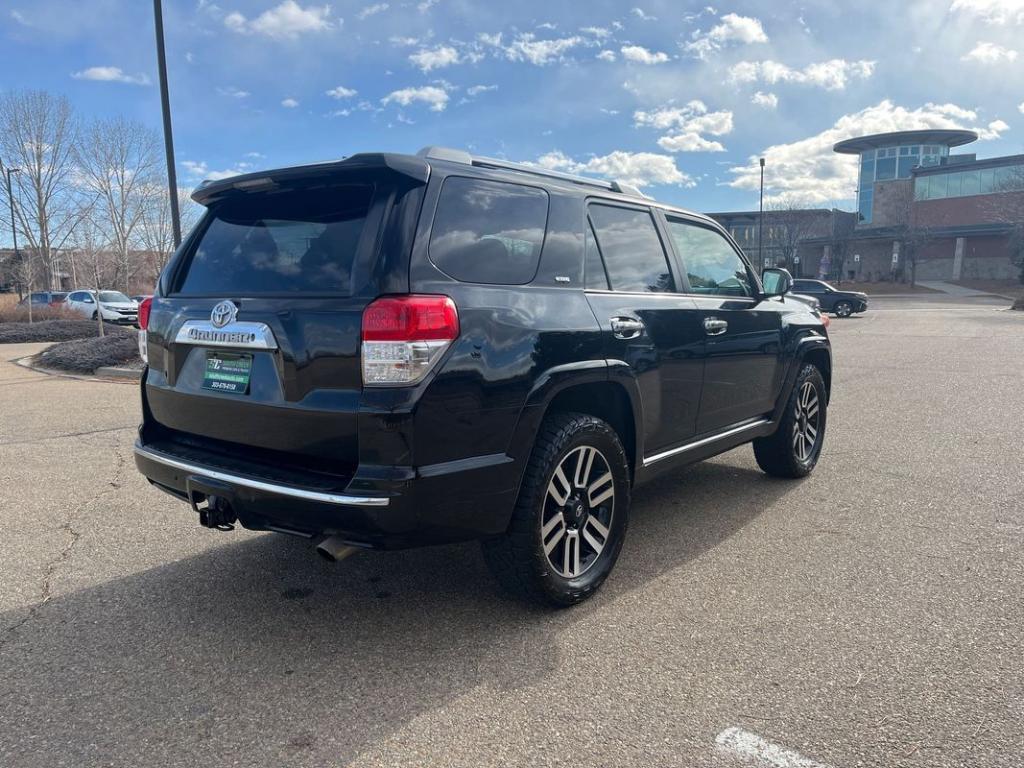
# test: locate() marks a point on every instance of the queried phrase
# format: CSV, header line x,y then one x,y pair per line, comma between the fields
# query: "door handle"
x,y
713,326
626,327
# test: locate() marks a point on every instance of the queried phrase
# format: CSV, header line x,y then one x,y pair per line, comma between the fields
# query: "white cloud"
x,y
636,168
341,92
832,75
372,10
989,53
426,5
686,125
289,103
809,170
19,17
766,100
641,55
232,91
1020,107
433,95
732,28
526,47
286,21
599,32
197,170
642,15
998,12
110,75
476,90
437,58
606,55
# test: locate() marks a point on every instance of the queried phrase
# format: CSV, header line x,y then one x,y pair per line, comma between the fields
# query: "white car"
x,y
114,306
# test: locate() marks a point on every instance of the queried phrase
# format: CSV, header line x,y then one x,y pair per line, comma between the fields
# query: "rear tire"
x,y
794,448
570,517
843,309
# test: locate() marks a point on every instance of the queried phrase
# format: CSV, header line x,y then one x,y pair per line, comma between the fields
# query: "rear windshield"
x,y
285,242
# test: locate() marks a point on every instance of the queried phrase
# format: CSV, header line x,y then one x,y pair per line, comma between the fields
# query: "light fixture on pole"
x,y
760,221
165,105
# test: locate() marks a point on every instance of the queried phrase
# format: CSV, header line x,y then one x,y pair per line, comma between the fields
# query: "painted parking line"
x,y
753,750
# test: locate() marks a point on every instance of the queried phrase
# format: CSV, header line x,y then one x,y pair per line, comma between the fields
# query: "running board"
x,y
731,432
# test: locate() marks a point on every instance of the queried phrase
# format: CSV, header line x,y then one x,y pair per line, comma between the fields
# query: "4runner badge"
x,y
223,313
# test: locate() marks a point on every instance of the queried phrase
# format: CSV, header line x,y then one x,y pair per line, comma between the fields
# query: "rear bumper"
x,y
399,507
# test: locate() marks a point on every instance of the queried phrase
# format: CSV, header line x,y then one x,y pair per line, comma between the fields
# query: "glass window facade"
x,y
985,181
887,163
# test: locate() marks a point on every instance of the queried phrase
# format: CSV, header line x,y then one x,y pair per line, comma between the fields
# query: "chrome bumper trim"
x,y
262,485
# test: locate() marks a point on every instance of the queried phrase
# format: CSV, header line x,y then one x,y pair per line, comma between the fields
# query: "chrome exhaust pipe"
x,y
334,548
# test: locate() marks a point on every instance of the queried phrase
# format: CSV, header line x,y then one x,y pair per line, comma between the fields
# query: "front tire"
x,y
843,309
794,448
570,517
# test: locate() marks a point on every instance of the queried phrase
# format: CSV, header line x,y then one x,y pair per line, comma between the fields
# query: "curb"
x,y
113,372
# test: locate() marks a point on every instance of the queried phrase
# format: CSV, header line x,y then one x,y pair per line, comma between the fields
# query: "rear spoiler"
x,y
415,168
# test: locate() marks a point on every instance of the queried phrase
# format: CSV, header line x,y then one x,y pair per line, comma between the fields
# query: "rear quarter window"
x,y
488,231
293,241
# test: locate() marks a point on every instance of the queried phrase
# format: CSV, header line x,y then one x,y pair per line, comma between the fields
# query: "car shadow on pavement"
x,y
258,652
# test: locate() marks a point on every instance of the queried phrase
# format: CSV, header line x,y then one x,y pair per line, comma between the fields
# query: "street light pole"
x,y
165,104
760,221
14,234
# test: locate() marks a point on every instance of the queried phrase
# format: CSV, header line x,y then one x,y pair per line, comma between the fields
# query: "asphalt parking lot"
x,y
872,614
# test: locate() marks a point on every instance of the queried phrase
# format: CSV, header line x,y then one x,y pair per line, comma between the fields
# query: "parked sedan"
x,y
114,306
840,303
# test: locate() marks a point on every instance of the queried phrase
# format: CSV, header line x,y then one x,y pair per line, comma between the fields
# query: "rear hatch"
x,y
254,334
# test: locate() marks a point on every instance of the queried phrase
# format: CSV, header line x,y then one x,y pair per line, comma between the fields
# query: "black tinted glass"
x,y
595,276
286,242
712,266
489,231
633,256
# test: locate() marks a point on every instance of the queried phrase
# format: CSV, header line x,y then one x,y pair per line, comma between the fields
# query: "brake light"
x,y
404,336
144,307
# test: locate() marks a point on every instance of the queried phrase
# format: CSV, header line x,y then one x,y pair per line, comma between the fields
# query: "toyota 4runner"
x,y
392,350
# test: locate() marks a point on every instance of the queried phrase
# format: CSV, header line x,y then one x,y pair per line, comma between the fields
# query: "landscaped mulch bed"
x,y
48,330
117,348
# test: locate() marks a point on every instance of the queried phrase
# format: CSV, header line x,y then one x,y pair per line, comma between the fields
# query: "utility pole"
x,y
14,235
165,104
760,221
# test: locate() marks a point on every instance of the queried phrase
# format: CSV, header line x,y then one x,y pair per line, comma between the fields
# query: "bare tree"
x,y
791,224
95,257
119,161
156,233
37,135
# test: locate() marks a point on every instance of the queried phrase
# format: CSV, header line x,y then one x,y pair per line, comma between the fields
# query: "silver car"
x,y
113,306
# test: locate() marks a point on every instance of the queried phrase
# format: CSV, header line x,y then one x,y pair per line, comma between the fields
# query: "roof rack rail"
x,y
461,156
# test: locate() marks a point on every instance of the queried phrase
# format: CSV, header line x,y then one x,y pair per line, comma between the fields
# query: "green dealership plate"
x,y
227,373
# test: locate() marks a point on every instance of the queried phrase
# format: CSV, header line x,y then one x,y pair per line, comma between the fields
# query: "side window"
x,y
711,264
594,275
489,231
633,255
805,286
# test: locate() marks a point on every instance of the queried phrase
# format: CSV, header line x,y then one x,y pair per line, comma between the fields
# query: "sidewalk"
x,y
953,290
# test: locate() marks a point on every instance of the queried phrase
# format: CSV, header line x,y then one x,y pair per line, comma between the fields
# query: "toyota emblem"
x,y
223,313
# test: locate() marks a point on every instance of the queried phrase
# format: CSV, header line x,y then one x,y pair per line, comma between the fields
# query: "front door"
x,y
648,324
743,334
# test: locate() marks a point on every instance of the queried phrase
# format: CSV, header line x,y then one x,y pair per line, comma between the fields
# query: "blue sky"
x,y
679,97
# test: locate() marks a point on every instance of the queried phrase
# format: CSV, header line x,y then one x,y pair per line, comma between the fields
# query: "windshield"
x,y
286,242
113,297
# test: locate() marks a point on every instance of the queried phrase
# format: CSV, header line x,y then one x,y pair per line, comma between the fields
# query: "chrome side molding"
x,y
648,460
245,335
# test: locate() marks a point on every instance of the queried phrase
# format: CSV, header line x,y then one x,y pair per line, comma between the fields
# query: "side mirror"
x,y
776,281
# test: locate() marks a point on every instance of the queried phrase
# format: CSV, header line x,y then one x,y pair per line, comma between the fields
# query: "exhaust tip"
x,y
334,549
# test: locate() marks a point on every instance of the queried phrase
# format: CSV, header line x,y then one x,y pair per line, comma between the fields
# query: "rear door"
x,y
814,288
647,322
254,339
743,366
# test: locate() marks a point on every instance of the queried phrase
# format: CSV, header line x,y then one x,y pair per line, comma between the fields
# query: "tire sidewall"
x,y
808,373
596,433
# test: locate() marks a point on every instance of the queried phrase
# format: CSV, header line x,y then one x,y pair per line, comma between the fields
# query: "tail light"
x,y
144,306
404,337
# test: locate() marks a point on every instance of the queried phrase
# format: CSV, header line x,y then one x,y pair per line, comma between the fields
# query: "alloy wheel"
x,y
577,516
807,422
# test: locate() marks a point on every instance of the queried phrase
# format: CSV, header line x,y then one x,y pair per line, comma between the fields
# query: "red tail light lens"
x,y
144,308
411,318
404,337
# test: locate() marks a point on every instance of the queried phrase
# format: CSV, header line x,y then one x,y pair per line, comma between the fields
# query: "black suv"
x,y
841,303
393,350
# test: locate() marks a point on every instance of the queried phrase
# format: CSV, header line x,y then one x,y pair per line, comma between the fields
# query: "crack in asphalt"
x,y
54,564
69,434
